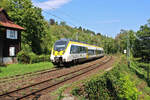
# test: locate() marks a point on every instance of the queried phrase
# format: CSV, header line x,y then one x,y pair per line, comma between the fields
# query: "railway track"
x,y
15,83
33,90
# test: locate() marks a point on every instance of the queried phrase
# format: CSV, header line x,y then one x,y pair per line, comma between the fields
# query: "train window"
x,y
77,49
74,49
82,49
71,50
91,52
99,51
60,45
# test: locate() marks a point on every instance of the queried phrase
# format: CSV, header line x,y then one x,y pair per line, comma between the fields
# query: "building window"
x,y
12,34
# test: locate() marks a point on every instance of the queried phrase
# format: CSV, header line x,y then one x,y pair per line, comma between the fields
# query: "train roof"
x,y
64,39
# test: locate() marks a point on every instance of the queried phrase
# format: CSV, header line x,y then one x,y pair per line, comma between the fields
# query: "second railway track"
x,y
33,90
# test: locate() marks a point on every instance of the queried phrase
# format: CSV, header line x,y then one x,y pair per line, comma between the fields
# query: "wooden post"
x,y
148,72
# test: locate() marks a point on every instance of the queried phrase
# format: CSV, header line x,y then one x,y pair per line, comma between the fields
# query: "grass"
x,y
19,69
59,92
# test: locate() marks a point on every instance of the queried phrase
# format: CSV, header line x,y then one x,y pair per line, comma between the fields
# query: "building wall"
x,y
2,31
1,50
5,44
11,43
9,60
8,45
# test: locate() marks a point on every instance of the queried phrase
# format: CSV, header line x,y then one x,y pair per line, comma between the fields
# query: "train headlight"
x,y
56,53
61,52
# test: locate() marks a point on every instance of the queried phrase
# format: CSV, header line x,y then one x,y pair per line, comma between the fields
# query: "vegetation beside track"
x,y
138,72
19,69
122,82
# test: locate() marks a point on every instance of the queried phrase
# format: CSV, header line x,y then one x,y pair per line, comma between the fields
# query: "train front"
x,y
58,52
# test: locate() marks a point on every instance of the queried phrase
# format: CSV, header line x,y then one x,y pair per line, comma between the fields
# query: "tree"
x,y
4,4
52,22
99,34
25,14
62,23
121,40
80,28
140,46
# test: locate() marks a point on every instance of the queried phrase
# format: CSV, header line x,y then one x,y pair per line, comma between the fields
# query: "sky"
x,y
107,17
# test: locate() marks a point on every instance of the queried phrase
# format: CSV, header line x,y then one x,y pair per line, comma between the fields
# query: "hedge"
x,y
29,58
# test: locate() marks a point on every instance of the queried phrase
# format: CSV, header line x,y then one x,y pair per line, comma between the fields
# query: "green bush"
x,y
23,57
41,58
127,89
75,91
30,57
112,85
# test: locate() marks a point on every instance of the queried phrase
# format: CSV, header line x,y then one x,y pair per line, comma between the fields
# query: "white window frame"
x,y
12,34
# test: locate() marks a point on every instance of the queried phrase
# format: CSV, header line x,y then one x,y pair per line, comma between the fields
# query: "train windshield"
x,y
60,45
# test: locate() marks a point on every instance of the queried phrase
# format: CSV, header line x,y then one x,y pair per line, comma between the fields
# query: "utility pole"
x,y
128,49
77,36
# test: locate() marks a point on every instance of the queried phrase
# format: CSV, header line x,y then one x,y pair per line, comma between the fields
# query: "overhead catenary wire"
x,y
49,13
58,18
64,13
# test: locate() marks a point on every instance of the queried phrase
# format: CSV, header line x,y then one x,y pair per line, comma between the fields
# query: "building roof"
x,y
1,9
6,22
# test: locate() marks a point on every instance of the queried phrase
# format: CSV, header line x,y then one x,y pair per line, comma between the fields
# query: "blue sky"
x,y
104,16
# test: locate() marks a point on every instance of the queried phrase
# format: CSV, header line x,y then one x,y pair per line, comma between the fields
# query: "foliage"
x,y
139,46
26,56
4,4
127,89
40,34
26,15
141,69
112,85
142,47
30,57
75,91
23,57
41,58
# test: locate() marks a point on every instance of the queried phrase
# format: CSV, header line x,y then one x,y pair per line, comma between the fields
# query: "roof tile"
x,y
4,21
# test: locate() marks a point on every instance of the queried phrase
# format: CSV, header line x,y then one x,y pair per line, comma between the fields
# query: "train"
x,y
67,51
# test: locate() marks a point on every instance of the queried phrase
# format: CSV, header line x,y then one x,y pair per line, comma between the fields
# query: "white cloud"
x,y
50,4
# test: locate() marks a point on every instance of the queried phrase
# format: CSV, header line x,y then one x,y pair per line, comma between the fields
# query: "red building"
x,y
10,38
